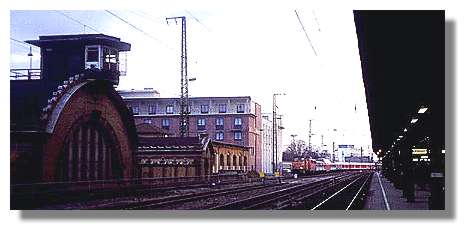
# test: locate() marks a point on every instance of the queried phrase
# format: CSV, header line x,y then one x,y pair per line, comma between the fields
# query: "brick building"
x,y
234,120
68,123
174,157
230,157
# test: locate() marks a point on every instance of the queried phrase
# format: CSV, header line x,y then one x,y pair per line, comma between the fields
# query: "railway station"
x,y
78,143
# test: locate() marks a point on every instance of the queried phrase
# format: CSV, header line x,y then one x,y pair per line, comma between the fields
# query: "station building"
x,y
231,120
174,157
230,157
67,121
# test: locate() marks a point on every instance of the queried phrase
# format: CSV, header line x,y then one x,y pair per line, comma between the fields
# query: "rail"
x,y
47,193
280,199
178,199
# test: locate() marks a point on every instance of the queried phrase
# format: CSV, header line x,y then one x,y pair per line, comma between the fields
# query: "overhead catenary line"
x,y
138,29
308,38
77,21
194,17
24,44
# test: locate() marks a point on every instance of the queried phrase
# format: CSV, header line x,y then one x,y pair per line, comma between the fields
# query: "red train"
x,y
308,166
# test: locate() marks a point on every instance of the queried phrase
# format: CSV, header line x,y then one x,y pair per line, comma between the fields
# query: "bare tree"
x,y
297,149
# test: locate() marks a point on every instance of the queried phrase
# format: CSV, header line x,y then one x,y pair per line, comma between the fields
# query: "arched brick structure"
x,y
90,100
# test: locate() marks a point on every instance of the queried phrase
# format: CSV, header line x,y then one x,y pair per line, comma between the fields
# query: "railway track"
x,y
348,197
294,197
159,203
268,195
177,201
49,194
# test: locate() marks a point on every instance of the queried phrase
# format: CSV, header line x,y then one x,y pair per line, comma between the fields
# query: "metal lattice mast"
x,y
274,134
310,135
184,99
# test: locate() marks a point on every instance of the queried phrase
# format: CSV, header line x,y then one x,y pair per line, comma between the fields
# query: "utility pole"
x,y
310,135
361,153
184,98
275,159
333,152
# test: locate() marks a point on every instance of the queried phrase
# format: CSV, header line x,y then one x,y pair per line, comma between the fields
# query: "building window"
x,y
204,108
222,108
148,121
152,109
169,109
240,108
92,54
201,124
219,123
237,135
237,123
166,124
219,136
135,110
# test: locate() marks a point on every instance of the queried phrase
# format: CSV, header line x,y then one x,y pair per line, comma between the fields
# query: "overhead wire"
x,y
194,17
77,21
140,30
306,35
24,44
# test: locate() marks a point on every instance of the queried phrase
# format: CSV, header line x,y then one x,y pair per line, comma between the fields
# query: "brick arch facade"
x,y
230,157
90,151
94,98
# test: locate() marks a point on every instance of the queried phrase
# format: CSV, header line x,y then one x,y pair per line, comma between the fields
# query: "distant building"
x,y
267,159
234,120
267,150
146,130
350,153
140,94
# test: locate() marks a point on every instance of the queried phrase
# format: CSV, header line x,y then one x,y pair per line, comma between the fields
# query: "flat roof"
x,y
172,98
85,39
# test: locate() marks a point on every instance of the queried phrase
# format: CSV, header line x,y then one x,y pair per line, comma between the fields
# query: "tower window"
x,y
92,54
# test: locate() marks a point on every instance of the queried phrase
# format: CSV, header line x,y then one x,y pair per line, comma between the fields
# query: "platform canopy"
x,y
403,65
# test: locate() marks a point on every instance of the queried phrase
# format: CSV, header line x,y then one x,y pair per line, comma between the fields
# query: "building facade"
x,y
174,157
233,120
267,159
267,139
230,158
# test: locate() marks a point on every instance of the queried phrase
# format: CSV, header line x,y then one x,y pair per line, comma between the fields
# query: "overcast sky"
x,y
255,52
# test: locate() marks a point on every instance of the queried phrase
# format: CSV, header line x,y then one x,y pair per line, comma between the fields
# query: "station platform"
x,y
384,196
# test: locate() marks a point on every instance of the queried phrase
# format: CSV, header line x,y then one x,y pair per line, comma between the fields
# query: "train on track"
x,y
310,166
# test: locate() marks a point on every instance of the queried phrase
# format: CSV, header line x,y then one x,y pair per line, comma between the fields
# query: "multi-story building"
x,y
235,120
267,139
267,159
